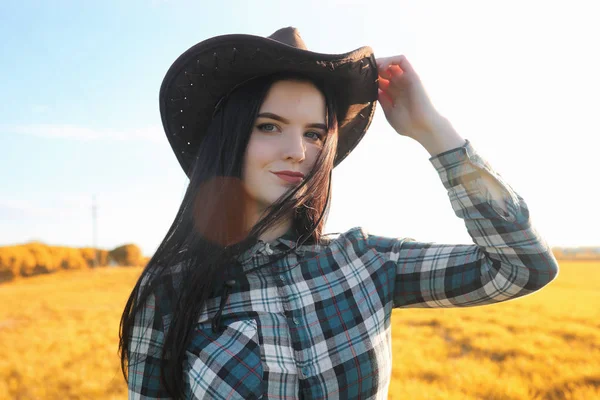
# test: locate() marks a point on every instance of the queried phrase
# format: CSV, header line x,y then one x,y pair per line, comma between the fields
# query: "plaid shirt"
x,y
316,324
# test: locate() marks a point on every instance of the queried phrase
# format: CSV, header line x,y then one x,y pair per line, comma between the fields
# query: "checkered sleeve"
x,y
145,349
509,258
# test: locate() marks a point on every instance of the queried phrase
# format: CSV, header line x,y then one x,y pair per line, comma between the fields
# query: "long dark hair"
x,y
208,230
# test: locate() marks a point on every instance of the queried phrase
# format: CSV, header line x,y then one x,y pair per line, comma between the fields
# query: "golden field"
x,y
58,335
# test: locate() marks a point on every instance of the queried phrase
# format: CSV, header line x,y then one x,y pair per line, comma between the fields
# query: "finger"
x,y
396,74
384,84
401,61
385,62
390,72
389,88
385,100
385,73
393,86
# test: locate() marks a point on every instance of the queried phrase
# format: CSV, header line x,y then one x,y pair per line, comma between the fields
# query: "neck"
x,y
276,231
271,233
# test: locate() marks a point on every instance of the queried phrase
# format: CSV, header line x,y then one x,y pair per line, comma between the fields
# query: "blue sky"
x,y
79,112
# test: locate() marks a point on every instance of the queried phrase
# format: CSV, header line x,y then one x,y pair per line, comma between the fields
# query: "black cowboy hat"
x,y
209,70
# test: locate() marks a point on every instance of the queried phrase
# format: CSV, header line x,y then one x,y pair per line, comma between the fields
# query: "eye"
x,y
317,135
267,127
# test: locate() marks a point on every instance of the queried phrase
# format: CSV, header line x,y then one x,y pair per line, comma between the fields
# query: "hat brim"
x,y
209,70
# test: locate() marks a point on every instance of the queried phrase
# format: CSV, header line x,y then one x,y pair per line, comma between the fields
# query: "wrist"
x,y
440,136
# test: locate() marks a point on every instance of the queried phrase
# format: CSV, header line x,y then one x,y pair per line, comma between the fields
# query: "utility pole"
x,y
95,230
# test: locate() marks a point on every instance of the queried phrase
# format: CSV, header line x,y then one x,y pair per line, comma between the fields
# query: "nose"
x,y
294,147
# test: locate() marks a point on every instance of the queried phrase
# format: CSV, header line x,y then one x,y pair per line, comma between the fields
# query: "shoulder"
x,y
360,240
159,287
356,237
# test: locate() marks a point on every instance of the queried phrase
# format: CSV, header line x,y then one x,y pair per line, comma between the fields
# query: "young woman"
x,y
246,298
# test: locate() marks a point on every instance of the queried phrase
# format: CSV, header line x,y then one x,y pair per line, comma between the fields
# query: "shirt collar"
x,y
287,240
281,244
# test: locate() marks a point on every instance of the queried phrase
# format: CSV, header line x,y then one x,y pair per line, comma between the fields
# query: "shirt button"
x,y
296,321
305,371
282,279
268,249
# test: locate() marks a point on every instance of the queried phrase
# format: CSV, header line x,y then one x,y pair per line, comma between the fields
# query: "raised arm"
x,y
509,258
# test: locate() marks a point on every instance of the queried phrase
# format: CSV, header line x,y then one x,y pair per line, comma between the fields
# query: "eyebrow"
x,y
285,121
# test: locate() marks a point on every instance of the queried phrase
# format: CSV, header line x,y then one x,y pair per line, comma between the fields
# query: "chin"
x,y
275,195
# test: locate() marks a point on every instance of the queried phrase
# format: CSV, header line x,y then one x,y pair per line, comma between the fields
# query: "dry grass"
x,y
59,335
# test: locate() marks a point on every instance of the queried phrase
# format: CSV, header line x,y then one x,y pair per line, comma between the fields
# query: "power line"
x,y
95,230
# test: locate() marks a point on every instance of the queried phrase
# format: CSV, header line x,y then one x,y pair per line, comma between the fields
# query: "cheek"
x,y
256,158
312,153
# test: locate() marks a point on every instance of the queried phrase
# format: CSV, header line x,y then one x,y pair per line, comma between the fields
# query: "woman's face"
x,y
288,135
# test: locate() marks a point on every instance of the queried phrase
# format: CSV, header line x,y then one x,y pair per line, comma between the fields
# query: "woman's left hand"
x,y
405,103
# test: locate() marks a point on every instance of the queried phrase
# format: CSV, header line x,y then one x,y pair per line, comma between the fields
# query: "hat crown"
x,y
289,36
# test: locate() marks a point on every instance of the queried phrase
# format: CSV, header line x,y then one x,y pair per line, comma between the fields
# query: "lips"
x,y
290,173
295,178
